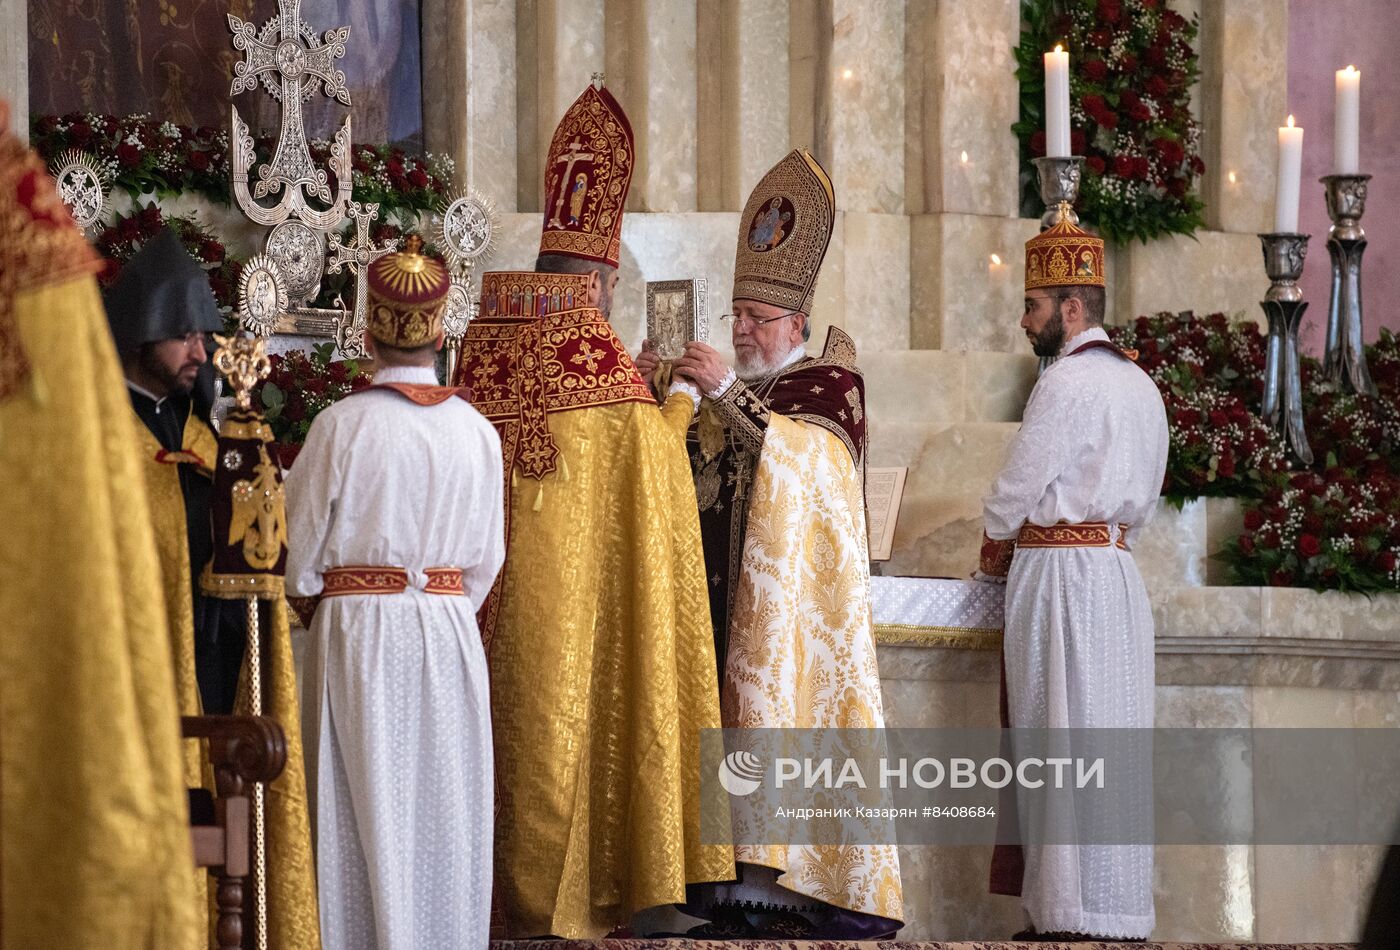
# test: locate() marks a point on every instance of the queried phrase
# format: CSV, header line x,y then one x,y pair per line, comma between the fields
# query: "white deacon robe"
x,y
1079,640
395,695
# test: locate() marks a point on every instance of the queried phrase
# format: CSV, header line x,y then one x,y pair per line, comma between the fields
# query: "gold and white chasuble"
x,y
801,645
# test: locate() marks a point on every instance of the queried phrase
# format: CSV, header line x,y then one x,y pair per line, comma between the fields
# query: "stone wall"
x,y
908,104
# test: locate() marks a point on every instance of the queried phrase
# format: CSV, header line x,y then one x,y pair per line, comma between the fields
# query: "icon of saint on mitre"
x,y
1086,264
576,196
771,225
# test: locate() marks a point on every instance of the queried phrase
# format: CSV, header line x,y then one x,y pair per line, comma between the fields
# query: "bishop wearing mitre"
x,y
777,450
597,632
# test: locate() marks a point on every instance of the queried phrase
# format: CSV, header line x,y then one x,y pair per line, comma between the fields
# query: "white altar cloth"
x,y
936,611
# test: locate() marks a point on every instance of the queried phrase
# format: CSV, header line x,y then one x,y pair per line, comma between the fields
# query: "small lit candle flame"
x,y
1350,70
963,158
1232,178
996,260
1059,48
847,73
1290,121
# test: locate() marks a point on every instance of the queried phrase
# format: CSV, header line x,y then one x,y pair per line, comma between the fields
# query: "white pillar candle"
x,y
1346,141
1057,103
1290,172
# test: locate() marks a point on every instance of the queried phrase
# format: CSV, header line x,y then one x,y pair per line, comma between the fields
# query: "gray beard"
x,y
753,370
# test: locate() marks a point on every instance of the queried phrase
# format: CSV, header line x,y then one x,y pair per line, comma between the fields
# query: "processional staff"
x,y
249,517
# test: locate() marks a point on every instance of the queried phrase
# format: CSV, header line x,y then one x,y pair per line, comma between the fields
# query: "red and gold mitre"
x,y
784,232
1065,255
42,245
586,177
407,295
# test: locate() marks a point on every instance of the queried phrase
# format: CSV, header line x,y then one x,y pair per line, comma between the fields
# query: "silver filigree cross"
x,y
292,64
357,256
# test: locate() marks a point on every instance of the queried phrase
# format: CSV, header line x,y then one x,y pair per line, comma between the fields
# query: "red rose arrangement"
x,y
300,387
1333,527
1130,112
124,236
145,156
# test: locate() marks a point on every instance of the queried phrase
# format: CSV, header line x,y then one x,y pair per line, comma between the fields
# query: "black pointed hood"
x,y
162,293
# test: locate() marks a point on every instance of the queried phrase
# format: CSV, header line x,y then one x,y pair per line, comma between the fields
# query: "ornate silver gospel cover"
x,y
678,311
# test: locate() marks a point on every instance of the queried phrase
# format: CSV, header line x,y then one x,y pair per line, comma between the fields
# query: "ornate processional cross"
x,y
292,64
357,256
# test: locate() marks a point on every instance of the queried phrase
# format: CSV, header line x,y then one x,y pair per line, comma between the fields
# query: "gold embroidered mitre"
x,y
586,177
1065,255
783,234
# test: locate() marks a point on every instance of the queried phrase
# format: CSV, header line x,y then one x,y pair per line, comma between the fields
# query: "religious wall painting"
x,y
168,58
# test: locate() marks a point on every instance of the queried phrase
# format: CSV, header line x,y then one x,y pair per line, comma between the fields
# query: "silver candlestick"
x,y
1059,189
1284,306
1344,360
1059,182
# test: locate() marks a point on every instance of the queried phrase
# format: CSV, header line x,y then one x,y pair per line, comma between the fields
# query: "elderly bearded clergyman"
x,y
777,452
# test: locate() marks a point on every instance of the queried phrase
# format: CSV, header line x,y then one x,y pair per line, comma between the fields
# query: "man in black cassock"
x,y
161,311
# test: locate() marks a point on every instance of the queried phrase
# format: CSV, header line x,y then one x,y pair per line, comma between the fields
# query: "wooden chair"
x,y
243,750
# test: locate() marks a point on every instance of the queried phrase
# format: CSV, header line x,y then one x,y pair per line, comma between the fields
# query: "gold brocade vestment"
x,y
602,662
94,827
162,480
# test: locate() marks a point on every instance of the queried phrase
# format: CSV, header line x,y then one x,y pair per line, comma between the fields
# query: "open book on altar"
x,y
884,490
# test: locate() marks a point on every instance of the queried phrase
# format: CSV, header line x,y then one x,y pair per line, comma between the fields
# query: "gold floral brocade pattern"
x,y
94,805
602,676
802,649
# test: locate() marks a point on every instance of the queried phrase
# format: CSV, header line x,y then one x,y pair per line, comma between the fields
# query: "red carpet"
x,y
686,944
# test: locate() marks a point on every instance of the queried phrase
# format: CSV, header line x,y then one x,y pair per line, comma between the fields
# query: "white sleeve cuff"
x,y
685,386
729,380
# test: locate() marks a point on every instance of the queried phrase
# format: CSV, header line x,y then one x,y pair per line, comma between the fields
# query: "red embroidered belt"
x,y
344,581
1090,534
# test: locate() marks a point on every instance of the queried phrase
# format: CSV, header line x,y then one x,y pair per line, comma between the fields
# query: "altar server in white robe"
x,y
396,534
1080,481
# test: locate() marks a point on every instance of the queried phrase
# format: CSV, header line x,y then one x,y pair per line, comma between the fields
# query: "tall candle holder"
x,y
1284,306
1344,359
1059,189
1059,182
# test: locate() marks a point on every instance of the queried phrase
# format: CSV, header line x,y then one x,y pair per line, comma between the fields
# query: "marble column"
x,y
651,49
469,92
961,99
559,46
14,55
809,75
1244,91
762,123
864,133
